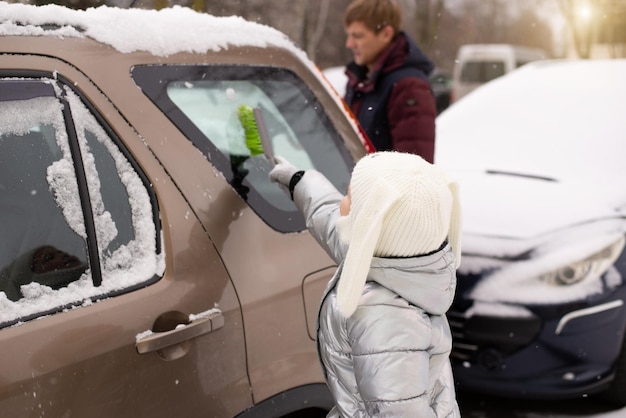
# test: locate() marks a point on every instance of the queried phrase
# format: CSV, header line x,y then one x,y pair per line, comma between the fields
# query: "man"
x,y
388,88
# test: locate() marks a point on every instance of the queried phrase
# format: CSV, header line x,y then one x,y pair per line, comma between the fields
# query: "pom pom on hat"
x,y
401,206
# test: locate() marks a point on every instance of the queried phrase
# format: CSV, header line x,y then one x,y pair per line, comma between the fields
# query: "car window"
x,y
481,71
203,101
77,220
37,243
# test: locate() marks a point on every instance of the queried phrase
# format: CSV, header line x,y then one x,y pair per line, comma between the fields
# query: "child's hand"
x,y
282,172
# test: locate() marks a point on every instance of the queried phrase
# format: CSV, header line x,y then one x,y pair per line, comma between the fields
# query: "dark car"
x,y
441,85
148,266
539,310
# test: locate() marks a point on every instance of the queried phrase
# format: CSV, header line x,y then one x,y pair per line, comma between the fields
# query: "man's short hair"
x,y
374,14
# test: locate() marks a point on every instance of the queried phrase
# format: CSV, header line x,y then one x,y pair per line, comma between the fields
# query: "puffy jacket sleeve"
x,y
391,360
318,200
411,111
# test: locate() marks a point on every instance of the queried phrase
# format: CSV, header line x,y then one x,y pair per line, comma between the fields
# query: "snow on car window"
x,y
62,178
135,261
19,118
22,115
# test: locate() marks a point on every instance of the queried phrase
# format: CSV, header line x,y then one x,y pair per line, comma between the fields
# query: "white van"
x,y
477,64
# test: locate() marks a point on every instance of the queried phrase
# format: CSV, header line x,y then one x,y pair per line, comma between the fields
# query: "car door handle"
x,y
155,341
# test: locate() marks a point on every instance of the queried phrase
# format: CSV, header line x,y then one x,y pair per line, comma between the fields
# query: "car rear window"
x,y
203,102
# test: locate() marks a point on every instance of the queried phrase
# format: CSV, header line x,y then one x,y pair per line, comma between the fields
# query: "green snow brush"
x,y
251,130
257,138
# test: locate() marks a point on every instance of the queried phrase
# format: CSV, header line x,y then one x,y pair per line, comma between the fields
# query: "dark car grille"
x,y
462,349
486,339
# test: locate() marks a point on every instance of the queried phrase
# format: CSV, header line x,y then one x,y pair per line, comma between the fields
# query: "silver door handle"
x,y
159,340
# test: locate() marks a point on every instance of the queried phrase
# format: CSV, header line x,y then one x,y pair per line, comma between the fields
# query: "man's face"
x,y
365,44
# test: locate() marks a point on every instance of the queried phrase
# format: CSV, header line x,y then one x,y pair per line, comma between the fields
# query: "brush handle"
x,y
265,138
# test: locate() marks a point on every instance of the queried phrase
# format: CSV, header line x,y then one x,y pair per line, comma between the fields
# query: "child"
x,y
383,337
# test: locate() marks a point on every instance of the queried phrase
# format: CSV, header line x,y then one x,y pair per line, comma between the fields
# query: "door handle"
x,y
201,324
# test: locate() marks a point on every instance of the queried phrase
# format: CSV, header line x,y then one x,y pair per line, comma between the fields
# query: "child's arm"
x,y
318,201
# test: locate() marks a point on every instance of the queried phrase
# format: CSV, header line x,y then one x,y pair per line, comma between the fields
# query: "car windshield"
x,y
549,119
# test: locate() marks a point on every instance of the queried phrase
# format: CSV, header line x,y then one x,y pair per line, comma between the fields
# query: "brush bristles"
x,y
251,131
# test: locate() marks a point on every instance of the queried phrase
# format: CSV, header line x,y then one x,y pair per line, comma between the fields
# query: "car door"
x,y
115,302
278,269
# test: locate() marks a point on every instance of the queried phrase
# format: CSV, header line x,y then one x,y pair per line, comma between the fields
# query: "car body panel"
x,y
44,368
560,365
219,255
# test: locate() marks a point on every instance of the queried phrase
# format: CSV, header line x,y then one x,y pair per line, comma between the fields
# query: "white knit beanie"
x,y
401,206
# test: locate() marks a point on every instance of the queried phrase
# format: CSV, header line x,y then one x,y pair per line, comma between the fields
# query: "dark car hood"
x,y
511,213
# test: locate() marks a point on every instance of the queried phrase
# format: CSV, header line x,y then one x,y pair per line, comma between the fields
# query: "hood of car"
x,y
536,159
516,212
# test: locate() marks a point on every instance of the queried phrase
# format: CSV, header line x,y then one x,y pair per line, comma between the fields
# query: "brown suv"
x,y
149,268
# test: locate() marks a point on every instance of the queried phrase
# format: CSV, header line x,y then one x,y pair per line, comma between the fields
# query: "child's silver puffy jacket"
x,y
391,357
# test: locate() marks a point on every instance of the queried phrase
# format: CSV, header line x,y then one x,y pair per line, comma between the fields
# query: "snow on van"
x,y
476,64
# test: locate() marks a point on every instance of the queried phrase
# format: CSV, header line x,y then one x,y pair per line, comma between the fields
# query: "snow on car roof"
x,y
162,33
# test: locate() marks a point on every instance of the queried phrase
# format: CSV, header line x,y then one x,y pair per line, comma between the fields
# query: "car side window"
x,y
77,219
123,208
37,245
203,101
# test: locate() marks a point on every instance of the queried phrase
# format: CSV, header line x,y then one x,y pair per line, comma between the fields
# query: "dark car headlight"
x,y
591,267
554,275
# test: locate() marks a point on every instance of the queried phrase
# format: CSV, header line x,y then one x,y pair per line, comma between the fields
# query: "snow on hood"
x,y
558,122
162,33
558,119
517,229
525,211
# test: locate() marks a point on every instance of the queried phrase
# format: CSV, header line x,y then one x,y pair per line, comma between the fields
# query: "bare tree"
x,y
322,32
483,21
614,29
598,21
582,23
320,26
422,20
73,4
